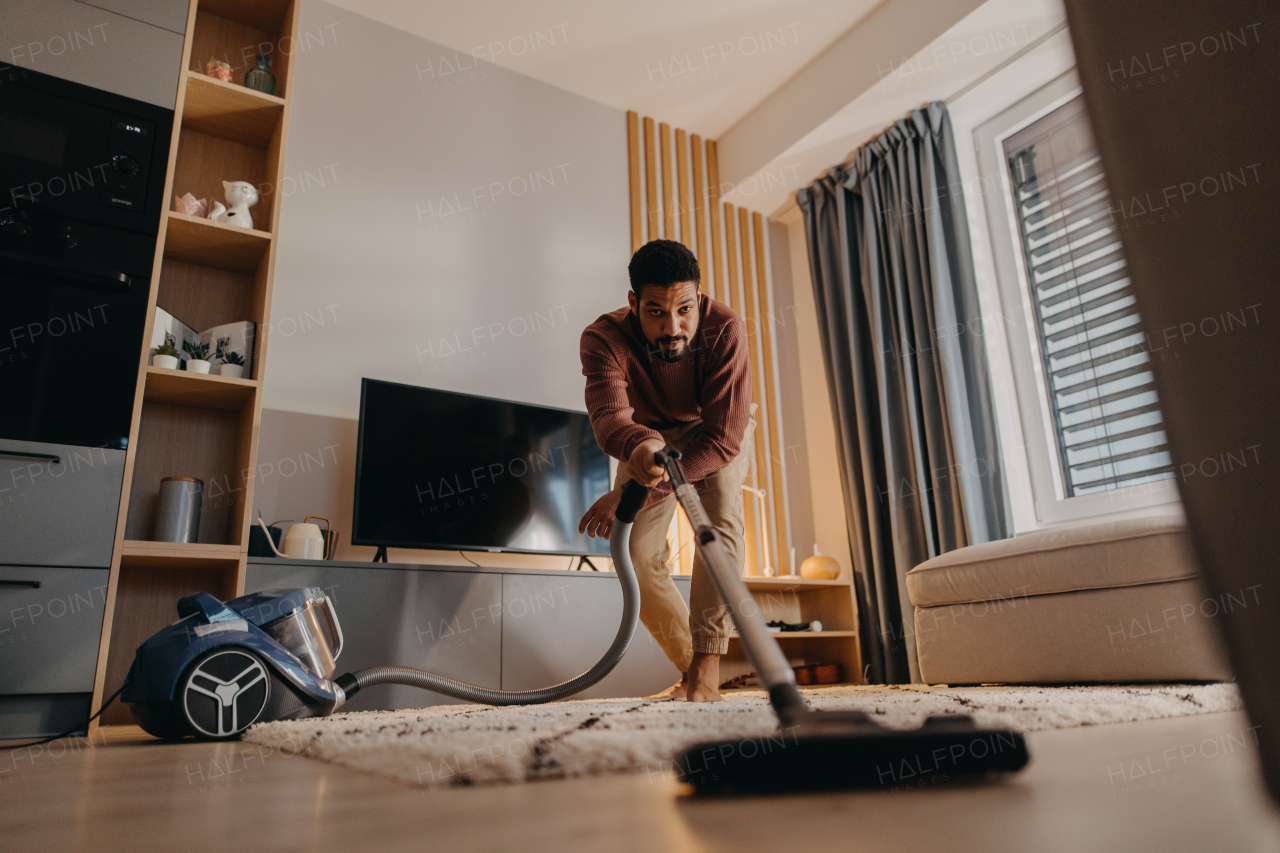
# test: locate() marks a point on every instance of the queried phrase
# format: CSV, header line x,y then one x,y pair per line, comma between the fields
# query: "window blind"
x,y
1097,368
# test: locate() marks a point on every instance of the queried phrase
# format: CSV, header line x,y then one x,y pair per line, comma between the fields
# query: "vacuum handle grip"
x,y
633,497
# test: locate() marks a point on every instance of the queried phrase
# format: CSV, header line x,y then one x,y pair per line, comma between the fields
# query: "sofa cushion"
x,y
1095,556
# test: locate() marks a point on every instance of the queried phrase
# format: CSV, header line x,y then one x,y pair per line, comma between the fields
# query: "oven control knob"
x,y
126,165
14,228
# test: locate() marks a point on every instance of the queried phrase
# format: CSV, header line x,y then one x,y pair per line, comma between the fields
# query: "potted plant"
x,y
166,356
232,364
198,362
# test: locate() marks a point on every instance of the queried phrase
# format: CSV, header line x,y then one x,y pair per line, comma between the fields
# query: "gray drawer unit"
x,y
59,513
49,635
445,622
511,628
555,627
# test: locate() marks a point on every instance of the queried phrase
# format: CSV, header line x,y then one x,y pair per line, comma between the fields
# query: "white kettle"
x,y
304,541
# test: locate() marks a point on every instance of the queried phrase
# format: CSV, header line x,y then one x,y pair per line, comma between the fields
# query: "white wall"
x,y
444,222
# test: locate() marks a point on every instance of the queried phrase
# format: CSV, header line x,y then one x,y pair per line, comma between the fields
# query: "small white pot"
x,y
168,362
198,365
235,371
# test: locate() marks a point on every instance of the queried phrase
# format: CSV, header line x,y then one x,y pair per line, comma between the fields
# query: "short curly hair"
x,y
664,263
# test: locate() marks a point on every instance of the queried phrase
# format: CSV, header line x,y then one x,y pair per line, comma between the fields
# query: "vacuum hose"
x,y
634,496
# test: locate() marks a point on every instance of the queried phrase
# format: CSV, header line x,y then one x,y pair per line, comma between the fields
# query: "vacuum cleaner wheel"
x,y
224,692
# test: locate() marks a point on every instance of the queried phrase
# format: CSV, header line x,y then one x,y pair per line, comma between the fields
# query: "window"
x,y
1080,425
1096,370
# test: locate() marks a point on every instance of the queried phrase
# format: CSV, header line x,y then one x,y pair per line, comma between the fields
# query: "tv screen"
x,y
435,469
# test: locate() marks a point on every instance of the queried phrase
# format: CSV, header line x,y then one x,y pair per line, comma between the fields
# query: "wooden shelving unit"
x,y
794,599
206,274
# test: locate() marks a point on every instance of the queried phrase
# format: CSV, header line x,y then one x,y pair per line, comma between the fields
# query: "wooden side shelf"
x,y
213,244
231,111
207,274
198,390
138,554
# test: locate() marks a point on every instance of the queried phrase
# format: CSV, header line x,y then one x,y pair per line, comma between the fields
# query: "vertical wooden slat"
x,y
651,179
729,294
668,202
700,212
749,314
730,297
682,191
713,206
633,170
777,461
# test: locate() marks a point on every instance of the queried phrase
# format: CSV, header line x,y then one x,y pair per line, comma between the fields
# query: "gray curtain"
x,y
901,331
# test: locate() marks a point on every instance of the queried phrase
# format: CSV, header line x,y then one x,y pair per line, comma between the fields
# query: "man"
x,y
672,367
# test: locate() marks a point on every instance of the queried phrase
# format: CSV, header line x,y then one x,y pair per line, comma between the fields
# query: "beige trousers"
x,y
705,625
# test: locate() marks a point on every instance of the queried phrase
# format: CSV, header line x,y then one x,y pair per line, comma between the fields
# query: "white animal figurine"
x,y
241,195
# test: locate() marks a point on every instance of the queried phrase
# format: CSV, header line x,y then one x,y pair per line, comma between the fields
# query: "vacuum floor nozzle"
x,y
829,755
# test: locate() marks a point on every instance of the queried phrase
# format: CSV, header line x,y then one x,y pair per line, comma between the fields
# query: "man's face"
x,y
668,317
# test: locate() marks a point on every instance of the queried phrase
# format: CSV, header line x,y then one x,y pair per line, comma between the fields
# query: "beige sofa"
x,y
1113,602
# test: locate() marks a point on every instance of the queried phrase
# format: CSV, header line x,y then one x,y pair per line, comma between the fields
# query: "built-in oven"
x,y
81,192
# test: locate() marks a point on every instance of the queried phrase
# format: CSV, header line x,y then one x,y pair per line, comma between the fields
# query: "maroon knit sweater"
x,y
631,395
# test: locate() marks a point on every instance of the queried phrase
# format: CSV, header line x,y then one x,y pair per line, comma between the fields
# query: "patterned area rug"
x,y
477,744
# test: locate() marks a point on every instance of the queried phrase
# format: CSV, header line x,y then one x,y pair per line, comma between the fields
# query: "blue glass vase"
x,y
260,78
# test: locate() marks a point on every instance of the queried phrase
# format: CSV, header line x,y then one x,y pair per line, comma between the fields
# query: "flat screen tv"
x,y
447,471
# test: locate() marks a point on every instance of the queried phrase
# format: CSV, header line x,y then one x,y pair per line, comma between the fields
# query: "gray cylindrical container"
x,y
178,512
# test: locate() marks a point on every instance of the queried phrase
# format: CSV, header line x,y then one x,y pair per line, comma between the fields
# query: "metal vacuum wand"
x,y
771,665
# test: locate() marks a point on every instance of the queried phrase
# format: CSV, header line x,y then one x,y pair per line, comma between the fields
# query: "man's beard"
x,y
670,356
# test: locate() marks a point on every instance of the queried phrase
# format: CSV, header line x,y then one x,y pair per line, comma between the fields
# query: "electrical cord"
x,y
69,732
469,560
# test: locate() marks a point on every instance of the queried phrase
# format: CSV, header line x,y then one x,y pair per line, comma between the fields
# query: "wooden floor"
x,y
1173,785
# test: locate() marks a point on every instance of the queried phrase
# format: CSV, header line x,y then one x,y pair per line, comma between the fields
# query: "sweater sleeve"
x,y
726,405
611,412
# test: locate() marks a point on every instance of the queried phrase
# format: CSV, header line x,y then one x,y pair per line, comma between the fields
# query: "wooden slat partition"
x,y
688,208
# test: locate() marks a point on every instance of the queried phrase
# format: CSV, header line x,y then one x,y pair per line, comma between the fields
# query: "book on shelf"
x,y
220,341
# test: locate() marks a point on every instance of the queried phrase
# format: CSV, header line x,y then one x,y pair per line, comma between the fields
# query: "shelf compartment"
x,y
212,244
205,161
198,390
187,441
143,554
153,576
234,30
231,111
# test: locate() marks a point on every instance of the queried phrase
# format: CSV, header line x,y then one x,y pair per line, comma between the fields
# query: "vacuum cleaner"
x,y
271,655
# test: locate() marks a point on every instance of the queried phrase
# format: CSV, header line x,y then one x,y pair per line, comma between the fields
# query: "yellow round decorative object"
x,y
820,568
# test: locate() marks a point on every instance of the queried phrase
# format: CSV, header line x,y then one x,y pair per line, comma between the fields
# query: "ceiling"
x,y
699,65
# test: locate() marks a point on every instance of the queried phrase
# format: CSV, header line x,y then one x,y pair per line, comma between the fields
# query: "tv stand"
x,y
381,555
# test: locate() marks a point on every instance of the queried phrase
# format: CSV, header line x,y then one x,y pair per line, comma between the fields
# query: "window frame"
x,y
1047,479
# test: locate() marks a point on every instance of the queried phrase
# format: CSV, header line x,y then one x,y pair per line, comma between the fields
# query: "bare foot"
x,y
703,679
674,691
